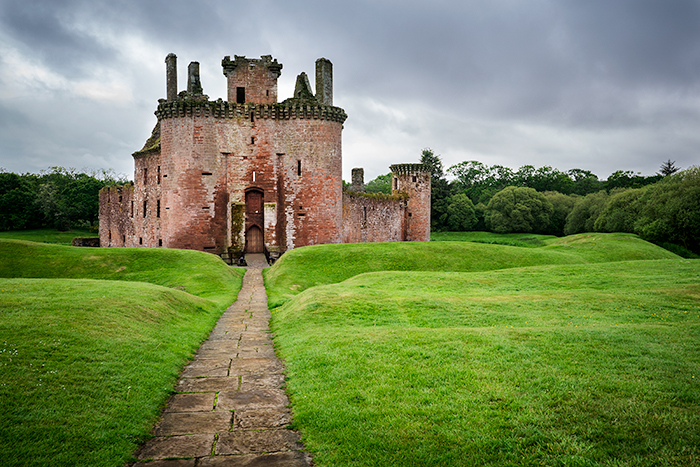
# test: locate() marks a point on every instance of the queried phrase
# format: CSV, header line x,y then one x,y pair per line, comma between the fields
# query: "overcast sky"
x,y
601,85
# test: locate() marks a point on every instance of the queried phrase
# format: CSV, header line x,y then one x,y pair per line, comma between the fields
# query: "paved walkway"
x,y
229,409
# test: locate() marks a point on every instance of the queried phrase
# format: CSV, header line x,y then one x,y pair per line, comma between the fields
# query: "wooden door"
x,y
254,240
254,220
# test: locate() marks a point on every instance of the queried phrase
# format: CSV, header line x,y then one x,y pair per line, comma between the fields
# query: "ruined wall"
x,y
414,181
116,222
373,217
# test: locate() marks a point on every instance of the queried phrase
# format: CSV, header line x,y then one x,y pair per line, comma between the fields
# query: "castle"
x,y
252,175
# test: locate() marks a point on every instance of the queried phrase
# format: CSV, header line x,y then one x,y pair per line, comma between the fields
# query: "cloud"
x,y
598,85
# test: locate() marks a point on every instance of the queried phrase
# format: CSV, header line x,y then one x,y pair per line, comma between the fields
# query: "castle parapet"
x,y
221,109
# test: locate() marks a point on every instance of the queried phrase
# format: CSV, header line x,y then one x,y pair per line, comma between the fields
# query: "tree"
x,y
620,212
562,205
460,212
671,210
668,168
518,209
434,164
381,184
585,212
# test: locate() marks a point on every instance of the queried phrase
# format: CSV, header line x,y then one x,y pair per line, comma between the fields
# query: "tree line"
x,y
60,198
662,208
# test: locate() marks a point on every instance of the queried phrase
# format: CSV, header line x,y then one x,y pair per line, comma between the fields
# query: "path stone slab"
x,y
256,365
226,383
191,402
163,447
278,459
167,463
261,418
215,354
219,345
249,400
267,381
244,442
213,367
193,422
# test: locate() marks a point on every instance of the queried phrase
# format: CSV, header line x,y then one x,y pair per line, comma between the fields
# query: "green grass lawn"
x,y
86,365
301,268
572,365
515,239
47,235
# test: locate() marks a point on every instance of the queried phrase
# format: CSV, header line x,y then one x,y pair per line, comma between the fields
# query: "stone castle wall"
x,y
373,218
206,158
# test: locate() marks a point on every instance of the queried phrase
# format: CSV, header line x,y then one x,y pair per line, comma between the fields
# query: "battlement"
x,y
287,110
240,62
409,169
252,80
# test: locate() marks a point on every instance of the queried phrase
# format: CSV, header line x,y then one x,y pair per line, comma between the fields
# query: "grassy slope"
x,y
553,365
198,273
306,267
87,364
46,235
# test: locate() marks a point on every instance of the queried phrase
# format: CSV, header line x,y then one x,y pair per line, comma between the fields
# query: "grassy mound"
x,y
47,235
306,267
87,364
200,274
551,365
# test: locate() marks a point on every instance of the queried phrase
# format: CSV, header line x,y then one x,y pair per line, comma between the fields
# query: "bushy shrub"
x,y
562,205
460,213
620,212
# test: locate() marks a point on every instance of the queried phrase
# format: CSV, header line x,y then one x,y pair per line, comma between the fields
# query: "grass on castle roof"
x,y
580,365
301,268
87,364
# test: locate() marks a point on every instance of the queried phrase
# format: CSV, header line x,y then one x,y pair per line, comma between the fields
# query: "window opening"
x,y
299,168
364,216
240,95
252,140
124,239
132,209
267,93
160,242
253,175
414,179
396,183
140,240
158,208
158,175
145,177
144,207
206,173
252,117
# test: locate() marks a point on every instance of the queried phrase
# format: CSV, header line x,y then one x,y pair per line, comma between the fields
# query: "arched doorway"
x,y
254,221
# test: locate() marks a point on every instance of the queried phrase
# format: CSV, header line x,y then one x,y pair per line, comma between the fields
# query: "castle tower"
x,y
252,80
414,180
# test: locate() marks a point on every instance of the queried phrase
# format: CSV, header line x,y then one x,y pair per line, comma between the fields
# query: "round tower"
x,y
414,181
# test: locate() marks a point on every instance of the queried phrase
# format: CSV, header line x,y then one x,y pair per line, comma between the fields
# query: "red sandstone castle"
x,y
254,175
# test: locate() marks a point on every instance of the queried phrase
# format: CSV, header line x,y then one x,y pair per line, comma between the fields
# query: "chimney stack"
x,y
171,77
194,86
324,81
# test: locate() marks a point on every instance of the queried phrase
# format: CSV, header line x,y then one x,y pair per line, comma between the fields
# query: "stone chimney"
x,y
358,180
324,81
194,86
171,77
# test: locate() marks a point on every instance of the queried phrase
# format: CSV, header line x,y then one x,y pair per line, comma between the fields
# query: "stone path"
x,y
230,408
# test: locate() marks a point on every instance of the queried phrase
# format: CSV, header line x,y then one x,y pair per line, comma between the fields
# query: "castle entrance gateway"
x,y
254,221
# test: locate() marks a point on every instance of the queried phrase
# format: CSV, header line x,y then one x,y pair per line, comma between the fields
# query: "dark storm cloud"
x,y
505,80
47,31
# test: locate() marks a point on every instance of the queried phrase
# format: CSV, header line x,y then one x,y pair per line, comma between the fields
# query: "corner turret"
x,y
414,181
